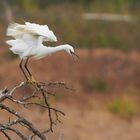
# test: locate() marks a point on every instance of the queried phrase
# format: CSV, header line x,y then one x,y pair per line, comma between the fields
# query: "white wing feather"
x,y
25,46
15,30
18,30
41,30
28,39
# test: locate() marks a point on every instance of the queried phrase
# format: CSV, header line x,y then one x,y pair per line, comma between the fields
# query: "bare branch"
x,y
23,120
41,92
3,128
6,135
58,84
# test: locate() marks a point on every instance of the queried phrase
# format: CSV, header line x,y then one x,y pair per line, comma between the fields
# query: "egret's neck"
x,y
55,49
43,51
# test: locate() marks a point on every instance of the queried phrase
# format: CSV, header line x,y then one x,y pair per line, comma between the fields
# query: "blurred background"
x,y
106,36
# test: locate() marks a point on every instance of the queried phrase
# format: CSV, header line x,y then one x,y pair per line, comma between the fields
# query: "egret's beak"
x,y
74,56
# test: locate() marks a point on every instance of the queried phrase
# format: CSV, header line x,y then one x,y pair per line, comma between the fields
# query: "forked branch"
x,y
40,92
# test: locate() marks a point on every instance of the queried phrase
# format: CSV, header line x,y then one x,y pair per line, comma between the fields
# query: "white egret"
x,y
28,42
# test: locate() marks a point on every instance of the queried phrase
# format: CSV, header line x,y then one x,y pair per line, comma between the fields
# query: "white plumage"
x,y
28,42
18,30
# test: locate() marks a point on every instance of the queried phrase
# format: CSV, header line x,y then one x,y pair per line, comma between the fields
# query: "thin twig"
x,y
40,92
24,121
6,135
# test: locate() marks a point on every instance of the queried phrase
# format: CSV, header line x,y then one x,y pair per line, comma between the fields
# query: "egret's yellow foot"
x,y
31,81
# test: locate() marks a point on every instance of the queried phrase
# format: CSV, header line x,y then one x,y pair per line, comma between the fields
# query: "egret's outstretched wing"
x,y
15,46
27,40
41,30
15,30
24,47
18,30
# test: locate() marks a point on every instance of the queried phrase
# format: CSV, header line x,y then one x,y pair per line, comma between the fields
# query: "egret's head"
x,y
70,50
50,37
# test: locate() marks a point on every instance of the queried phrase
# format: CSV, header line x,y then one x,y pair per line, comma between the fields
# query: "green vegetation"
x,y
97,84
123,107
118,5
11,55
59,96
65,17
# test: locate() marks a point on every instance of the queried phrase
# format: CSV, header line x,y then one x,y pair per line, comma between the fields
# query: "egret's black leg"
x,y
20,65
30,80
27,67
